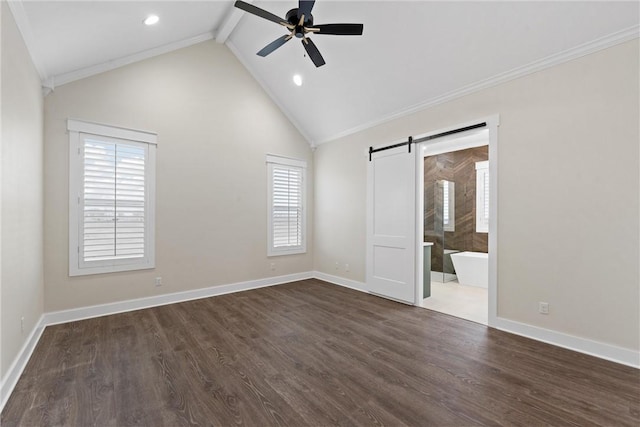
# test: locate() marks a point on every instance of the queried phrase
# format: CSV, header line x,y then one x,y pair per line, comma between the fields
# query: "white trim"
x,y
14,372
533,67
462,141
482,165
287,161
76,129
74,125
72,315
581,345
22,22
230,22
493,122
419,219
341,281
75,179
82,73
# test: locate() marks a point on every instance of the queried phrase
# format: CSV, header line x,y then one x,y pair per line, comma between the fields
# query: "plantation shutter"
x,y
482,197
445,202
113,200
485,206
448,206
286,206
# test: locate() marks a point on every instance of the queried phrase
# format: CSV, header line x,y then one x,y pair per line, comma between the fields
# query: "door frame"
x,y
493,122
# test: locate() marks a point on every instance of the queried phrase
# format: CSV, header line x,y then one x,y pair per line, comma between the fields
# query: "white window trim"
x,y
76,128
482,223
285,161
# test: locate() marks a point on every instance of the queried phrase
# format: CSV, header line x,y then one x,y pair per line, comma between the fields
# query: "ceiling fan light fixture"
x,y
297,79
299,23
151,20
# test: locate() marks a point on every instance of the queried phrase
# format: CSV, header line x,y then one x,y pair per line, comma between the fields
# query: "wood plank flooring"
x,y
310,354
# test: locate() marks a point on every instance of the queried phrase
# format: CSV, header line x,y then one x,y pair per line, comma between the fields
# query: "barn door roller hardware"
x,y
426,138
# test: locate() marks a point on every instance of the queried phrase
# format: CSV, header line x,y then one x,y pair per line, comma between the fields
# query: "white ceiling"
x,y
412,53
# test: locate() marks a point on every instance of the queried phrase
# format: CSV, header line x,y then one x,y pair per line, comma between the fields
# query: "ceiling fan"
x,y
300,23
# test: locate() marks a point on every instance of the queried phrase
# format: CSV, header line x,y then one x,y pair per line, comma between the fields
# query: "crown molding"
x,y
230,22
22,22
544,63
126,60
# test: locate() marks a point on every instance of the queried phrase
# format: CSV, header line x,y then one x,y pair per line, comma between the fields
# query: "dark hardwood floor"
x,y
310,354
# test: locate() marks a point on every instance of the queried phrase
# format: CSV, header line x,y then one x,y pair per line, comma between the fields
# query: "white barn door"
x,y
391,224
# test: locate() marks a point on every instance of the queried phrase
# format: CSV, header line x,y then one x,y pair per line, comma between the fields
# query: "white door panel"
x,y
391,225
387,262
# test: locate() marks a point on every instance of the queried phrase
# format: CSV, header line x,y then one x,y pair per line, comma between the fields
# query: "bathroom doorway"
x,y
455,218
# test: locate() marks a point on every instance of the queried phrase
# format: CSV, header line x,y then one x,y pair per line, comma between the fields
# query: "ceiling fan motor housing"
x,y
292,18
299,22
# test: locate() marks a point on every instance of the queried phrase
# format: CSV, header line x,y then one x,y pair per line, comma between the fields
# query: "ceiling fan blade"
x,y
274,45
304,8
313,52
338,29
260,12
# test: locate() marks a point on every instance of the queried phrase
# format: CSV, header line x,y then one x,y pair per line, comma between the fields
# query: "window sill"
x,y
103,269
274,253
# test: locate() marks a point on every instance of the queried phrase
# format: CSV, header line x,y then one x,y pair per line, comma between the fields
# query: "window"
x,y
111,199
448,206
286,220
482,197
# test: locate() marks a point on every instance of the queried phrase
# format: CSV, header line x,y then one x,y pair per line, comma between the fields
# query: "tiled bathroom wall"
x,y
458,167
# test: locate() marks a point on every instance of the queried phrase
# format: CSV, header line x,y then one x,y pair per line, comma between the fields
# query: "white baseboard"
x,y
64,316
341,281
53,318
581,345
20,362
598,349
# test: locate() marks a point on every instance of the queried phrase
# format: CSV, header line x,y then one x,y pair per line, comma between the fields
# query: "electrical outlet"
x,y
337,265
543,307
346,267
158,281
22,324
273,266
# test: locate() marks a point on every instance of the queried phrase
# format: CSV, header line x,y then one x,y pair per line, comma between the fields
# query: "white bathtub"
x,y
472,268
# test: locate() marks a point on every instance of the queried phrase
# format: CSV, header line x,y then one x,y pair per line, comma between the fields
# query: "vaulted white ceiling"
x,y
412,54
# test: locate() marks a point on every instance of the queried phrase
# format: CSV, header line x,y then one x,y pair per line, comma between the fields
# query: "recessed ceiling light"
x,y
151,19
297,79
